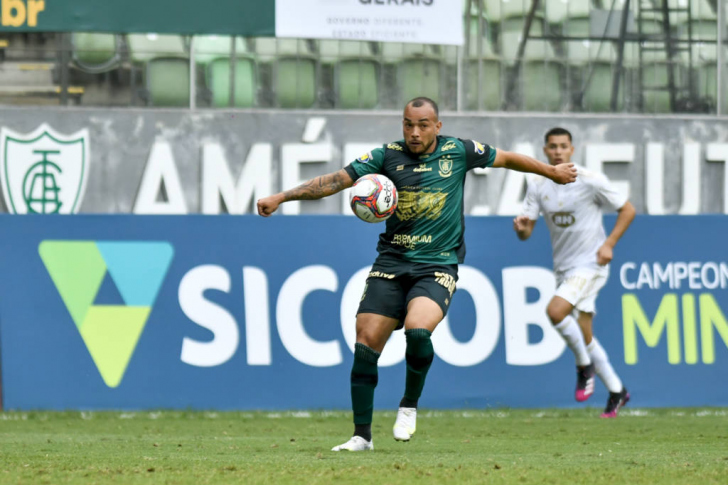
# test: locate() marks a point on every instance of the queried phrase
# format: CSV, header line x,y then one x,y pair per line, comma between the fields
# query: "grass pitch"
x,y
667,446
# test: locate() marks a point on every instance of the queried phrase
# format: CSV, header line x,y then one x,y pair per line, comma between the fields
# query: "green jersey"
x,y
428,225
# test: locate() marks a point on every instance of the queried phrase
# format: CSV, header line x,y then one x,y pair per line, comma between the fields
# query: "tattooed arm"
x,y
316,188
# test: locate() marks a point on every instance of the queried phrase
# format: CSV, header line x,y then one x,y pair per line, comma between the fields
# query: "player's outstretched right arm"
x,y
316,188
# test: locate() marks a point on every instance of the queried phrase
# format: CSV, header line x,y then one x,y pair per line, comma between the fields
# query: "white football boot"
x,y
356,443
406,424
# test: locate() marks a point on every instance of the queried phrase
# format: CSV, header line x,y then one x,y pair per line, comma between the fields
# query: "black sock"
x,y
408,403
419,356
363,430
364,378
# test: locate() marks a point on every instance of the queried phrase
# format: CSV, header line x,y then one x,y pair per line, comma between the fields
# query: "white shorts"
x,y
580,286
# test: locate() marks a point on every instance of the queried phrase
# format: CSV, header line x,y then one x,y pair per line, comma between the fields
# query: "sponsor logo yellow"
x,y
415,205
394,146
446,280
423,168
410,241
379,274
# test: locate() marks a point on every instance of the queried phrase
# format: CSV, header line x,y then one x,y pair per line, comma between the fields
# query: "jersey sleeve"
x,y
478,155
606,194
531,208
370,162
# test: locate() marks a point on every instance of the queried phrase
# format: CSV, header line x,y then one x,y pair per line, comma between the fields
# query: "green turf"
x,y
666,446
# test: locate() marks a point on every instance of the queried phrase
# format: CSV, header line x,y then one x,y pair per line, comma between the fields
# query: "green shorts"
x,y
393,282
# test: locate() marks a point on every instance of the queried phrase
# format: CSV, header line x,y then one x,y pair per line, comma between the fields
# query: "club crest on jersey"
x,y
445,167
365,158
479,147
563,219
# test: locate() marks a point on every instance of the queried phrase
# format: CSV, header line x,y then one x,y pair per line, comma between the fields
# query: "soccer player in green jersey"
x,y
413,279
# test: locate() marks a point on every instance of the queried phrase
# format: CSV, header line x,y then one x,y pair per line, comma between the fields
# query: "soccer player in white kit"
x,y
581,252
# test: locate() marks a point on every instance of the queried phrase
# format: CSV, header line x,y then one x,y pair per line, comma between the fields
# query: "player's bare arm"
x,y
624,218
523,227
316,188
564,173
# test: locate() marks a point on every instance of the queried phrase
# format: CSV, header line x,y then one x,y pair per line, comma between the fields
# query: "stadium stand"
x,y
669,64
214,55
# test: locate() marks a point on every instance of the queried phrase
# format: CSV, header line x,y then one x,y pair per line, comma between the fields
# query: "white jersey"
x,y
573,213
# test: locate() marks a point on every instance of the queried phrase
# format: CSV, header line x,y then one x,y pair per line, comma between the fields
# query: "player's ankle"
x,y
363,430
408,403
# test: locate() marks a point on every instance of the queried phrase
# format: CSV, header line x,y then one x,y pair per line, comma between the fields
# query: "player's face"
x,y
420,127
558,149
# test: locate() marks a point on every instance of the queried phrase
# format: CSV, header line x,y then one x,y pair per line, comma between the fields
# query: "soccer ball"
x,y
373,198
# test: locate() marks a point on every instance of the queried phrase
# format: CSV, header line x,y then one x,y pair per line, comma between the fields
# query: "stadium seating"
x,y
211,47
217,73
292,67
418,70
213,53
94,52
356,72
165,63
482,69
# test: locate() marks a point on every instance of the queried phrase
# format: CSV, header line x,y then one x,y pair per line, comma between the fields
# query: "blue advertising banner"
x,y
240,312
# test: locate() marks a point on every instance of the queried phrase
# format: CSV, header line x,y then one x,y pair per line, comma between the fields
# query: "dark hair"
x,y
555,132
421,101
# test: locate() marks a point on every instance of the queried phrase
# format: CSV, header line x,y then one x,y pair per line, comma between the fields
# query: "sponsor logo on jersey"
x,y
400,168
410,241
416,205
365,158
423,168
394,146
448,146
563,219
445,167
479,147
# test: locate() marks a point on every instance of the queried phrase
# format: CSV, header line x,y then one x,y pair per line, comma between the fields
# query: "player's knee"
x,y
372,338
556,314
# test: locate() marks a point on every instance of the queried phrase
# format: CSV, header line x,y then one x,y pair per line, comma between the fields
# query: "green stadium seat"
x,y
356,72
598,92
510,39
218,80
295,82
356,84
489,85
145,47
293,66
500,10
211,47
541,86
419,77
168,81
559,10
95,51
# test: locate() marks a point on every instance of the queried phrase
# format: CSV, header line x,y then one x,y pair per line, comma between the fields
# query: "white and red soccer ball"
x,y
373,198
